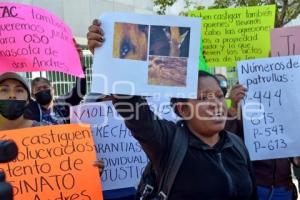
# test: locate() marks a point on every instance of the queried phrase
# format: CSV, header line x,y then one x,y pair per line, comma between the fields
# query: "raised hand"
x,y
95,36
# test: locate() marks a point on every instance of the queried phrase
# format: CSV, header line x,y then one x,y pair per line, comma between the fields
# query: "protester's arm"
x,y
237,93
134,109
234,121
77,93
153,134
95,36
100,165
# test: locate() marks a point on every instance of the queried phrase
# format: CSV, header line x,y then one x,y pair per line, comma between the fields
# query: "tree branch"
x,y
281,16
292,16
293,3
272,2
243,3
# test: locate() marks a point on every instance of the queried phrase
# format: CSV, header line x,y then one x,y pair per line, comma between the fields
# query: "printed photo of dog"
x,y
167,71
130,41
169,41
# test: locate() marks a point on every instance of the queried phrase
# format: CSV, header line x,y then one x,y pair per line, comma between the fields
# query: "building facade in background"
x,y
78,15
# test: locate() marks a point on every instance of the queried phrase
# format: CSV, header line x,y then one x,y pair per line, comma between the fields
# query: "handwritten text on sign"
x,y
54,163
32,39
234,34
123,156
271,109
285,41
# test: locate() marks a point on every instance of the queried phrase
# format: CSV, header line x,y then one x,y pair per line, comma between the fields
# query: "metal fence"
x,y
62,82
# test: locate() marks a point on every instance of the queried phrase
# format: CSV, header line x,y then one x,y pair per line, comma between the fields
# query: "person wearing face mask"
x,y
55,111
45,107
14,99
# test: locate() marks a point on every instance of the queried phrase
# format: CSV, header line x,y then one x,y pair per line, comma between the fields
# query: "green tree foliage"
x,y
162,5
286,9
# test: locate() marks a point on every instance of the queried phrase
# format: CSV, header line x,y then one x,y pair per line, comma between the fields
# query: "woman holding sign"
x,y
273,176
214,164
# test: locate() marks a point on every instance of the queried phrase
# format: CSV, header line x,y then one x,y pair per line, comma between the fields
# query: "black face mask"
x,y
224,90
43,97
12,109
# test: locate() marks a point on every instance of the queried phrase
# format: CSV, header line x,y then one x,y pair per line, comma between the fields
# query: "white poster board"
x,y
271,109
143,54
123,156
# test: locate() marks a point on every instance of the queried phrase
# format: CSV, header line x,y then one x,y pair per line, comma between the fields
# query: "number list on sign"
x,y
271,108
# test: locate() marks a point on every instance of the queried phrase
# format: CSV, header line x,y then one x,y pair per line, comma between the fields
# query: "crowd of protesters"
x,y
216,164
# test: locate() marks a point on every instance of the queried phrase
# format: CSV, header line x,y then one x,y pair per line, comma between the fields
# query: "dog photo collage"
x,y
167,53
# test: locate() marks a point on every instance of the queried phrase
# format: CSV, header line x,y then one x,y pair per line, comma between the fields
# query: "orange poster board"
x,y
54,163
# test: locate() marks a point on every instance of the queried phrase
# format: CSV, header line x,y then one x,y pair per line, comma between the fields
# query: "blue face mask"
x,y
12,109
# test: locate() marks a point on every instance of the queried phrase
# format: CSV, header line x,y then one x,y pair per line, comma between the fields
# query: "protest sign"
x,y
285,41
234,34
123,156
54,163
143,54
271,108
32,39
162,108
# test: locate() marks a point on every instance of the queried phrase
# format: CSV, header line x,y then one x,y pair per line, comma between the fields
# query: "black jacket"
x,y
218,173
61,108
